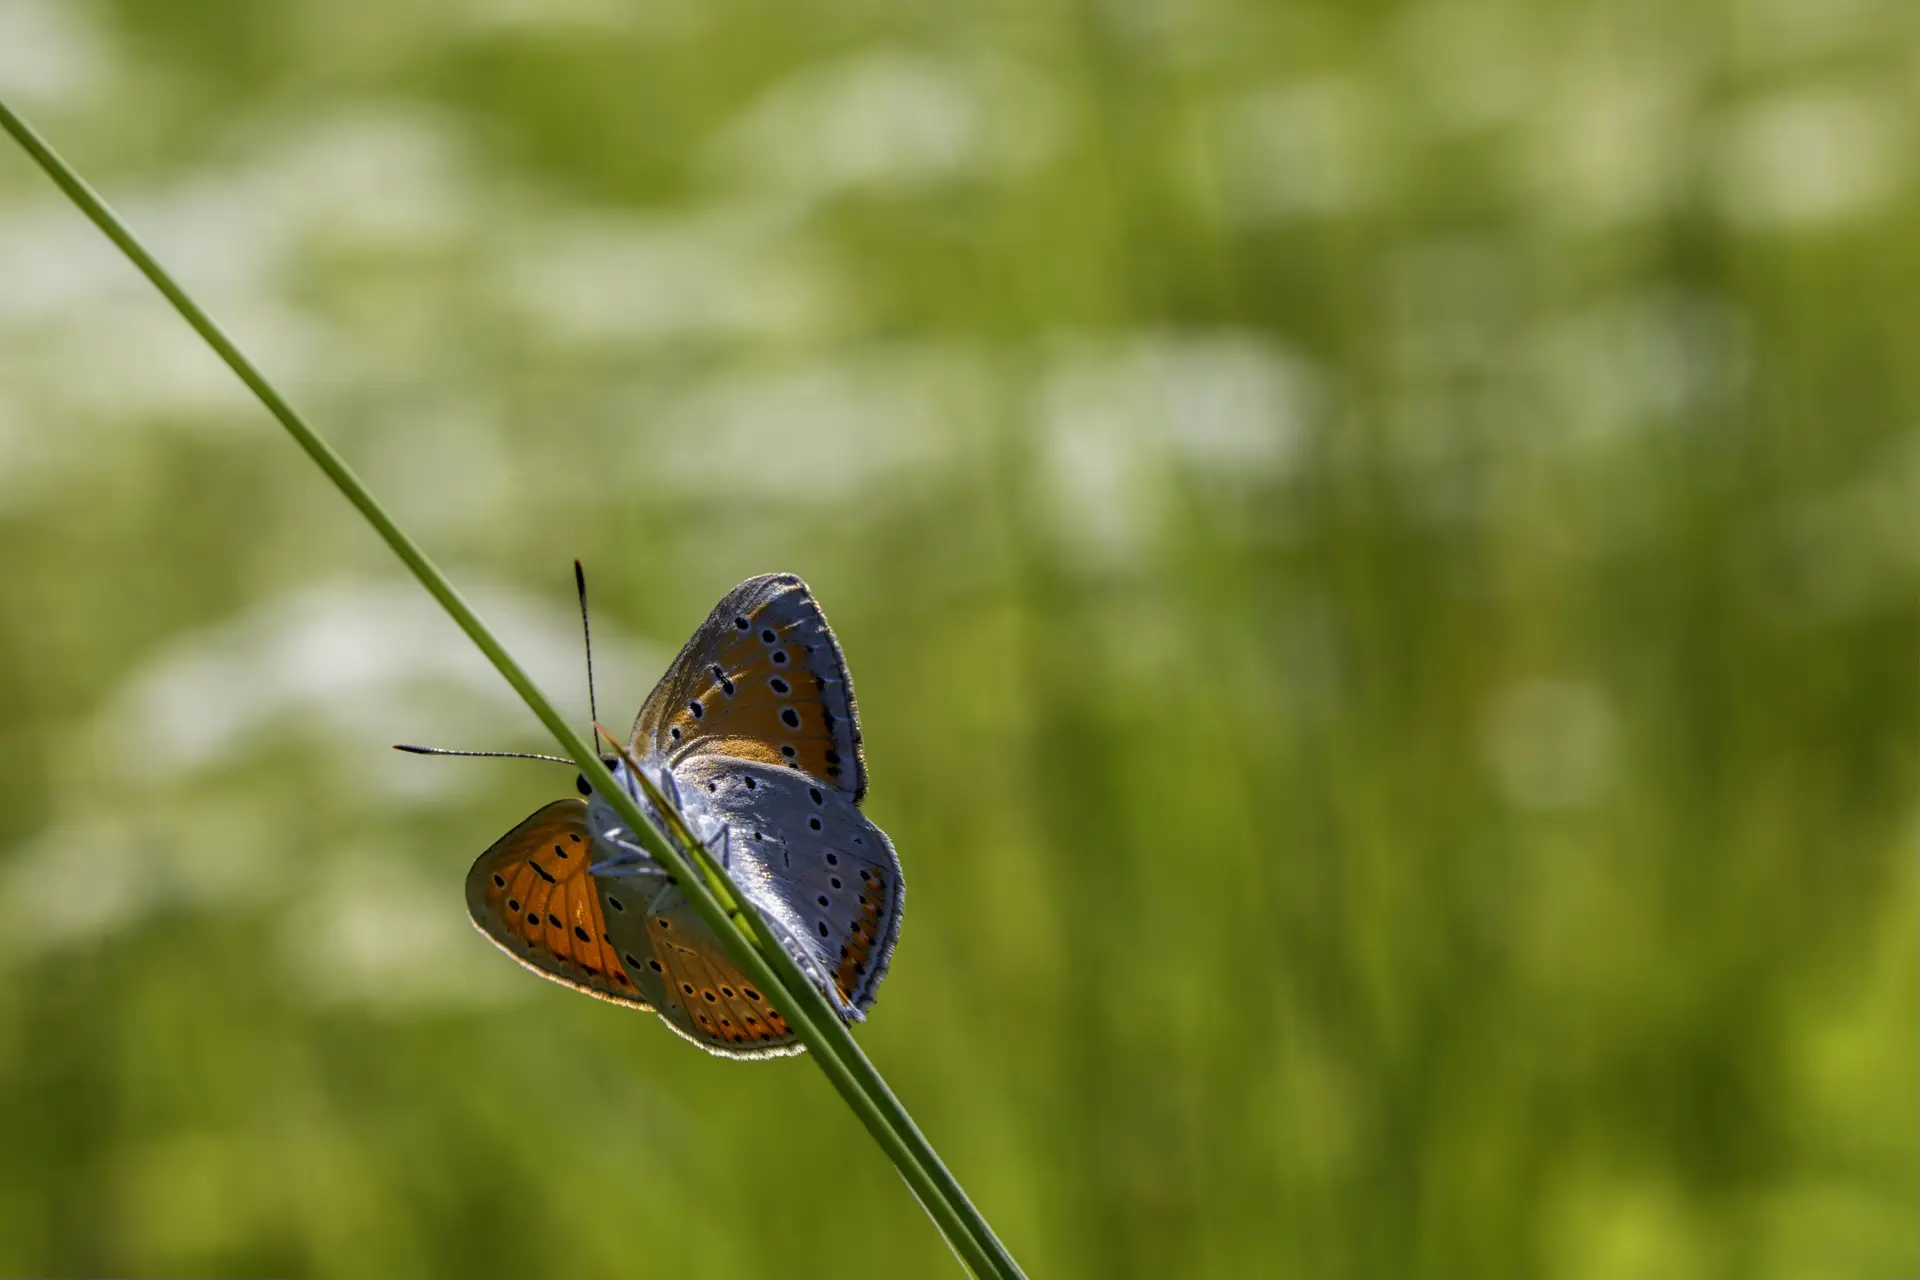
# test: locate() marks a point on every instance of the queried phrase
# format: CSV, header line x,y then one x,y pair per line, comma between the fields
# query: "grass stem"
x,y
808,1011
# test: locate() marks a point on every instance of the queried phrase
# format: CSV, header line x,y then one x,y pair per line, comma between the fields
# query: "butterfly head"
x,y
618,768
609,829
606,824
624,854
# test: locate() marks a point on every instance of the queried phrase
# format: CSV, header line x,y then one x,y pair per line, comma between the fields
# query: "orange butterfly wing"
x,y
532,895
707,998
762,679
534,898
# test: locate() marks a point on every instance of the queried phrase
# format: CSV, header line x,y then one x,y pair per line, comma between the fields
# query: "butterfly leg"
x,y
627,857
632,859
626,864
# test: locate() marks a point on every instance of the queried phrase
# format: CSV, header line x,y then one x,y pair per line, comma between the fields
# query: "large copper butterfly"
x,y
753,735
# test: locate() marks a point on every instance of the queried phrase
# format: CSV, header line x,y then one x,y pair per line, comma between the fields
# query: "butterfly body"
x,y
752,734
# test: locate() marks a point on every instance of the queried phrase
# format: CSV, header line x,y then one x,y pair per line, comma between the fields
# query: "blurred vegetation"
x,y
1376,544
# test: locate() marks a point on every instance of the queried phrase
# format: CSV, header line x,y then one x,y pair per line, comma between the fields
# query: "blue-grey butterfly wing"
x,y
761,679
824,875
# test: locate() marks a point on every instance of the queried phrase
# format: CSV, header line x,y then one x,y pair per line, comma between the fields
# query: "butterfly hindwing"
x,y
707,998
761,679
817,868
532,895
625,904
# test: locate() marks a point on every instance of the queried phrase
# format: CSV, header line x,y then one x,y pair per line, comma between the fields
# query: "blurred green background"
x,y
1377,545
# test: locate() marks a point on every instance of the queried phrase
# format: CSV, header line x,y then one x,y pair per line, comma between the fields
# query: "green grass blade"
x,y
808,1011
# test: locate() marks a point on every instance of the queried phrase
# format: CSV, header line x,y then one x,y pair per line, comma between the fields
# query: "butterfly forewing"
x,y
761,679
810,861
532,895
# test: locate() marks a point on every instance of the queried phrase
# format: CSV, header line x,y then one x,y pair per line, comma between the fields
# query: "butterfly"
x,y
753,735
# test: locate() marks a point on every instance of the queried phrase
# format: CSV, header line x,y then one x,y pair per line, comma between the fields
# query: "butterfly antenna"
x,y
586,635
496,755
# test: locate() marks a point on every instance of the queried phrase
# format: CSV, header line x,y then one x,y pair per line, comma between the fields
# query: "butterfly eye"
x,y
582,785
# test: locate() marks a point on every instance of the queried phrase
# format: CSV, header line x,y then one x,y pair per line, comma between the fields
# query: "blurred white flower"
x,y
1814,156
887,119
1311,148
378,931
710,273
358,663
823,429
52,53
1225,407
